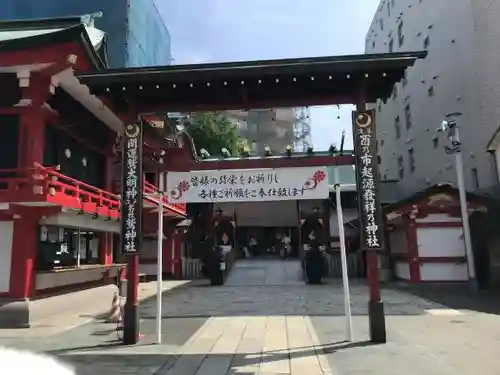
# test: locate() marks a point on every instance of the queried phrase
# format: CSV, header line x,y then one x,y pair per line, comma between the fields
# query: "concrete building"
x,y
275,128
137,35
460,73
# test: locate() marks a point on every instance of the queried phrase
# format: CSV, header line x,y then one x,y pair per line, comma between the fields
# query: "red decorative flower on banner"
x,y
319,175
316,178
183,186
179,190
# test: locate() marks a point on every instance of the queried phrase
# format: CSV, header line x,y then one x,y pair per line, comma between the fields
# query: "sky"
x,y
239,30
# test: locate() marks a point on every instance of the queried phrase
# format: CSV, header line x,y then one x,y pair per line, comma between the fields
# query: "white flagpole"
x,y
343,258
159,267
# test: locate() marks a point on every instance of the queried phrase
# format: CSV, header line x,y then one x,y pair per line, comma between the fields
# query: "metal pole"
x,y
78,258
343,258
465,214
159,266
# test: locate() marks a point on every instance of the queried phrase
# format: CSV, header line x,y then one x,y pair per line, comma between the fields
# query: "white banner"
x,y
247,185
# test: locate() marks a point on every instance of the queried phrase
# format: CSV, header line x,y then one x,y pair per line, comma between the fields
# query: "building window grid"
x,y
411,160
430,91
401,168
401,37
408,116
397,127
426,42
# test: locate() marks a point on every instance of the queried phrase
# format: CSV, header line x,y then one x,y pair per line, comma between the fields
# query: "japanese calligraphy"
x,y
236,194
232,179
367,172
263,184
132,188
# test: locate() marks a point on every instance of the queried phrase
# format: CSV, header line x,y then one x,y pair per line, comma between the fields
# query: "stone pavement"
x,y
69,319
269,324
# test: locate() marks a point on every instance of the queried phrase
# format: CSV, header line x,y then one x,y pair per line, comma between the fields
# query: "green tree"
x,y
213,131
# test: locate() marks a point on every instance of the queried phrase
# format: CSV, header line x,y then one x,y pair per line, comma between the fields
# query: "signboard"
x,y
132,180
248,185
365,149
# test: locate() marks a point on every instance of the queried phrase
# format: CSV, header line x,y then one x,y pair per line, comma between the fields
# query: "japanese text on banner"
x,y
368,187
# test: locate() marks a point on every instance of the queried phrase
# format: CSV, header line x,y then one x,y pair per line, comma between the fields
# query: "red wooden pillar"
x,y
106,242
24,246
412,247
25,234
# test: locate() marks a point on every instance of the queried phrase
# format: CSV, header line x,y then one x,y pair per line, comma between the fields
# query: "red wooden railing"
x,y
14,179
180,208
43,180
72,187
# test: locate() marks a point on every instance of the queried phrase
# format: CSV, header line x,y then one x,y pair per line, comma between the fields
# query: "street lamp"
x,y
449,125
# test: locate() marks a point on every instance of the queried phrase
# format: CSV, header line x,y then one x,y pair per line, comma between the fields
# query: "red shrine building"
x,y
62,113
60,170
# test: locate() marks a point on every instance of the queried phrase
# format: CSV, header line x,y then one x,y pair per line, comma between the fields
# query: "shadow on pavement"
x,y
456,296
189,364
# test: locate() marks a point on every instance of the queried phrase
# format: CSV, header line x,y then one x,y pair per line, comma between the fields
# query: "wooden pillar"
x,y
35,91
106,241
24,246
412,248
376,313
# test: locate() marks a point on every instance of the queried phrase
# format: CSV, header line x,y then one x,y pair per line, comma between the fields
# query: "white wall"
x,y
402,270
443,272
440,242
6,234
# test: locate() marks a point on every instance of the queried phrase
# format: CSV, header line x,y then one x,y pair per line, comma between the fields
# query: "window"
x,y
430,91
426,42
401,37
435,142
397,127
411,160
389,9
401,168
381,24
475,178
64,247
391,45
408,116
382,143
405,78
373,45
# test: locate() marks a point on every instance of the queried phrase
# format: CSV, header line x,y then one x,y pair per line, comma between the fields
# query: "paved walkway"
x,y
266,324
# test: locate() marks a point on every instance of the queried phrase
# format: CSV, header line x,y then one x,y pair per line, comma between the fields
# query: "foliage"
x,y
213,131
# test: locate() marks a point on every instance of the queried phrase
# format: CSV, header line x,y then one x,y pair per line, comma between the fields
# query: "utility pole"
x,y
450,126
